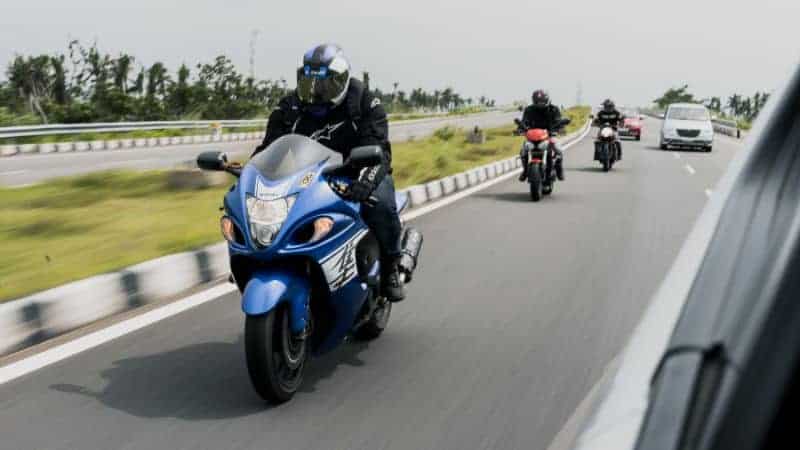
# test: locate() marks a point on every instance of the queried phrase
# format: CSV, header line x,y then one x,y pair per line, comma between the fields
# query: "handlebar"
x,y
341,185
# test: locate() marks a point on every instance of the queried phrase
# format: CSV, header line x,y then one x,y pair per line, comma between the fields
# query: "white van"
x,y
687,125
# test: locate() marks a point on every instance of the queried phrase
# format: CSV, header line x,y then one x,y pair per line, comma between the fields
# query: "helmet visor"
x,y
320,86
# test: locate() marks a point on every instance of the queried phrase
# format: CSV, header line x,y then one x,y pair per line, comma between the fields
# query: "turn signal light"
x,y
226,227
322,227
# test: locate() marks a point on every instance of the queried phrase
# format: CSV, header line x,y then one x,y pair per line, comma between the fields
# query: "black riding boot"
x,y
524,159
392,286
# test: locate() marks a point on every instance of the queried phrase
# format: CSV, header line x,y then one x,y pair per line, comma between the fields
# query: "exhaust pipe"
x,y
411,245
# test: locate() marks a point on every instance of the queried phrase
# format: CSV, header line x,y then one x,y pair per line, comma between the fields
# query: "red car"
x,y
631,127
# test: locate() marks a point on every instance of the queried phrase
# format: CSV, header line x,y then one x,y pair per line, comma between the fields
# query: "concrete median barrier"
x,y
448,185
418,195
434,190
8,150
27,149
47,148
64,147
461,181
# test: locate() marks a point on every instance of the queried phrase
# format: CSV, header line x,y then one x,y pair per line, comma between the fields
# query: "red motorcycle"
x,y
540,159
541,176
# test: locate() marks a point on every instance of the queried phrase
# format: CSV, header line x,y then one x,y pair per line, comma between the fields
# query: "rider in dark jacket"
x,y
338,112
611,116
542,114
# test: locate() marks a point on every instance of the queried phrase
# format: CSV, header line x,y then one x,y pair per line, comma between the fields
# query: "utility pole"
x,y
253,38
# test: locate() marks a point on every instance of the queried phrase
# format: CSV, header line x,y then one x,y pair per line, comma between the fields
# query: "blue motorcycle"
x,y
305,262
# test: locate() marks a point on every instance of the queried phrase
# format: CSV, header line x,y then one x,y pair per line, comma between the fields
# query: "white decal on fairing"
x,y
340,266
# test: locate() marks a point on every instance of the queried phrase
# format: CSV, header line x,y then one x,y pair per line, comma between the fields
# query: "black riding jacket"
x,y
614,118
358,120
545,118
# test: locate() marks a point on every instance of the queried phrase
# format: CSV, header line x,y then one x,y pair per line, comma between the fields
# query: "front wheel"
x,y
275,358
535,181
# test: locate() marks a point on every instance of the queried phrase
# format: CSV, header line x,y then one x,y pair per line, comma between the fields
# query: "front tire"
x,y
275,358
708,149
535,181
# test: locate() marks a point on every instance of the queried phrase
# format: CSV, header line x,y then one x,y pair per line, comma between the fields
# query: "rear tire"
x,y
535,181
275,359
377,323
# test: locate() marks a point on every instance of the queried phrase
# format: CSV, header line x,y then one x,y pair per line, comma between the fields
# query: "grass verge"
x,y
75,227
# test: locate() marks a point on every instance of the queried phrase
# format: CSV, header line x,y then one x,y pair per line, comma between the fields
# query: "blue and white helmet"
x,y
323,76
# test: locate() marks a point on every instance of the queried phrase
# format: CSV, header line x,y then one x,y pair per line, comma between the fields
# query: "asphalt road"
x,y
514,313
27,169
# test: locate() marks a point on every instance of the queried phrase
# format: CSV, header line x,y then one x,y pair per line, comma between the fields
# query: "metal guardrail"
x,y
64,129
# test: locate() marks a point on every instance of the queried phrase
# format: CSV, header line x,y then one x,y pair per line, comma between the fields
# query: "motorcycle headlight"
x,y
606,133
267,217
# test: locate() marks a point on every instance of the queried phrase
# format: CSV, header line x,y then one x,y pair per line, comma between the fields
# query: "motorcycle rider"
x,y
542,114
336,110
610,115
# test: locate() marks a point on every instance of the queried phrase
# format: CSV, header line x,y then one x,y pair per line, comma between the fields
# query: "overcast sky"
x,y
631,50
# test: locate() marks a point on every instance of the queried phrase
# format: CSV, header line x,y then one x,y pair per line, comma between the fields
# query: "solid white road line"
x,y
690,169
94,339
14,172
91,340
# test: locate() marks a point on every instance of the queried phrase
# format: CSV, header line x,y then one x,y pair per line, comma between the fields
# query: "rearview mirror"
x,y
366,156
520,109
212,161
518,122
565,121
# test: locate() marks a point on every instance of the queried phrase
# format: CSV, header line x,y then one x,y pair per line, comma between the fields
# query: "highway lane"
x,y
515,312
27,169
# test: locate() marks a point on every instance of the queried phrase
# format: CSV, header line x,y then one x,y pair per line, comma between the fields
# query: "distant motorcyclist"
x,y
542,114
339,112
611,116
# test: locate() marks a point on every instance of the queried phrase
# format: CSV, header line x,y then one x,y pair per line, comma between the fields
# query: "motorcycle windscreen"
x,y
290,154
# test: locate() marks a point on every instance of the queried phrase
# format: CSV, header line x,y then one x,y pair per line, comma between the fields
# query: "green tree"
x,y
675,95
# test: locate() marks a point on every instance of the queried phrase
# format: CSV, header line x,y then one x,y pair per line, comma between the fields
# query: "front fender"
x,y
267,290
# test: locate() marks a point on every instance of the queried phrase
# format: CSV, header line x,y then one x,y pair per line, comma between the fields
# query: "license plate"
x,y
623,130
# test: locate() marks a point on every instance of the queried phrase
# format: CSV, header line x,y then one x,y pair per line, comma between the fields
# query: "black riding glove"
x,y
368,180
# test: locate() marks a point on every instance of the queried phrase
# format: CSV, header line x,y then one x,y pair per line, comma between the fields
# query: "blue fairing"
x,y
267,290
